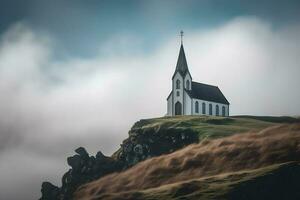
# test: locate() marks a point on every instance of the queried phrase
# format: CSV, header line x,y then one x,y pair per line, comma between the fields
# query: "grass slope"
x,y
212,127
234,167
276,182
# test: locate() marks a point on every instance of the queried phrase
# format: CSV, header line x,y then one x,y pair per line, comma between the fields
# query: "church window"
x,y
203,108
210,109
177,93
178,84
223,111
187,84
196,107
217,110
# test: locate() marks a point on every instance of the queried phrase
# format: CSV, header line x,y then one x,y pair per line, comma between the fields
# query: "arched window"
x,y
223,111
203,108
178,84
217,110
210,109
196,107
177,93
187,84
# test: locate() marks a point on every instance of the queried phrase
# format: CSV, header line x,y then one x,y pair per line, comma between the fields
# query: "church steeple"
x,y
181,65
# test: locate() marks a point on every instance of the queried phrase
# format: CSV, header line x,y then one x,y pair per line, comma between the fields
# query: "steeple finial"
x,y
181,36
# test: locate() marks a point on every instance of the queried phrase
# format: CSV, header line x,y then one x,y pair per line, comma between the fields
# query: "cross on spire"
x,y
181,36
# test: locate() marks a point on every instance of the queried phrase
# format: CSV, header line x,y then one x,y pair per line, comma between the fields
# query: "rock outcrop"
x,y
146,142
141,144
84,168
50,191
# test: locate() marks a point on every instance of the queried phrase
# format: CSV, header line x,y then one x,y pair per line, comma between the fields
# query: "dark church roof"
x,y
207,93
181,66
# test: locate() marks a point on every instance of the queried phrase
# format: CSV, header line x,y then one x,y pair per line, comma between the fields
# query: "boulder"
x,y
147,142
100,156
49,191
75,162
82,152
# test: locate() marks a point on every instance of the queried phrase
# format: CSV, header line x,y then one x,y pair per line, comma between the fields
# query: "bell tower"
x,y
181,81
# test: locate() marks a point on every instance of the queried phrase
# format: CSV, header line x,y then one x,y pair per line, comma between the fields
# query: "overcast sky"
x,y
80,73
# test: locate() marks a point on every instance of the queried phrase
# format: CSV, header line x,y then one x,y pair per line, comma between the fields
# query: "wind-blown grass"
x,y
212,169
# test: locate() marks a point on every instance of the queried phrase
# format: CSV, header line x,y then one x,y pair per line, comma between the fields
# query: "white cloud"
x,y
256,66
49,107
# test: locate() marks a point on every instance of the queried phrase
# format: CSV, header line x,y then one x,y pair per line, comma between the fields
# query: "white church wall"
x,y
207,108
187,104
169,106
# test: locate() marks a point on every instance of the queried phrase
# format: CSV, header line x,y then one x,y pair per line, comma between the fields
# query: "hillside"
x,y
182,155
276,182
157,136
214,169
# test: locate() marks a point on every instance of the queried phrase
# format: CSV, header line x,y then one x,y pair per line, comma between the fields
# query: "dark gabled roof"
x,y
181,65
207,93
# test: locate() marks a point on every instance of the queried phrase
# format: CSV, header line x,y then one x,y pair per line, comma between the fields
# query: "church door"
x,y
178,108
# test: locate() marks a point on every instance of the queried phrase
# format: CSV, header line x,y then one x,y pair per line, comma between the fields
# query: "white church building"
x,y
192,98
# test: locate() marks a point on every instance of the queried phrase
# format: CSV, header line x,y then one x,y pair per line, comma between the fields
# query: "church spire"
x,y
181,65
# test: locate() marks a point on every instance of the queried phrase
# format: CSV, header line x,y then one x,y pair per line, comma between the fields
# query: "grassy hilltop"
x,y
242,157
212,127
163,135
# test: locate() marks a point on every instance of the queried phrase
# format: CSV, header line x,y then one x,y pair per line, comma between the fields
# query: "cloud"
x,y
256,65
50,106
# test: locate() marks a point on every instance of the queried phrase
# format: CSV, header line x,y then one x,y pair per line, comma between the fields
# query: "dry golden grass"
x,y
253,150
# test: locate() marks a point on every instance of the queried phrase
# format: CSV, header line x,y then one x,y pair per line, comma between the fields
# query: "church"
x,y
192,98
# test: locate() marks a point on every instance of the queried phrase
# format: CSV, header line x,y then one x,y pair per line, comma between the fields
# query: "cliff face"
x,y
160,137
148,139
154,137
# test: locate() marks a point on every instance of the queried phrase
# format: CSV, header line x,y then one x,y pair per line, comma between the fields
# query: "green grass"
x,y
211,127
